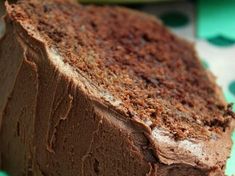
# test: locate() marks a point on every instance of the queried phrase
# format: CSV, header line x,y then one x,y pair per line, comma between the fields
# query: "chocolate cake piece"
x,y
89,90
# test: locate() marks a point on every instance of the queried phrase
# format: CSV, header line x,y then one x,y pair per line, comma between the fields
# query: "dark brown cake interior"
x,y
155,74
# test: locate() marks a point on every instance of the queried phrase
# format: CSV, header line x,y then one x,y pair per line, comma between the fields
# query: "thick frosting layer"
x,y
56,121
50,126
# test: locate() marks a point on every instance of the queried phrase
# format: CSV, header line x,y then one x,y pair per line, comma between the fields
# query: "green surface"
x,y
230,169
3,173
216,17
175,19
230,98
221,41
204,64
232,88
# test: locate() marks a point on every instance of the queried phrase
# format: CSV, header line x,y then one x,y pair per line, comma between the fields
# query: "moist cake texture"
x,y
151,72
127,73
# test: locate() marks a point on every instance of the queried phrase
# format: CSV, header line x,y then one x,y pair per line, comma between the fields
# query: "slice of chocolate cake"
x,y
106,91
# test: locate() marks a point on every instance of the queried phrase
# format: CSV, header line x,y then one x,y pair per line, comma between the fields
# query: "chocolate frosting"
x,y
55,121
